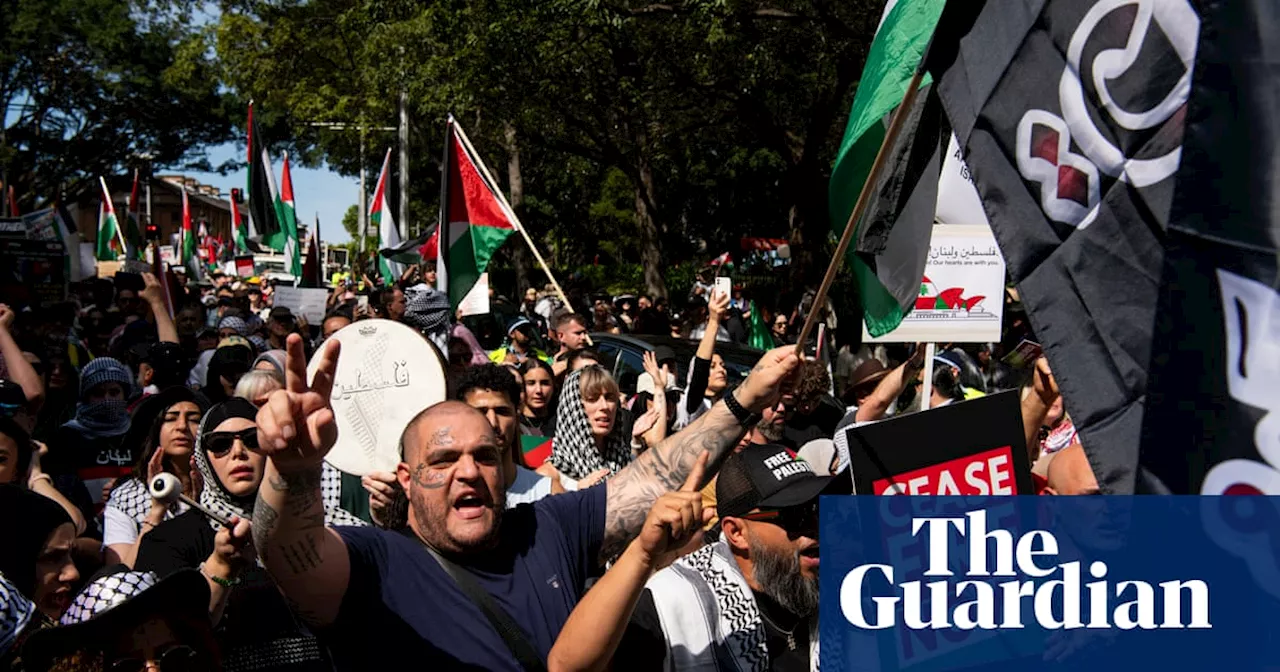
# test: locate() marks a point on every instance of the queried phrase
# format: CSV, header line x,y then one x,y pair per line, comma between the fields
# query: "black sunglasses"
x,y
177,658
220,443
802,518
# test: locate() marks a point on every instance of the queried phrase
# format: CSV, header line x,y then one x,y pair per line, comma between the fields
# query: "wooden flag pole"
x,y
462,135
864,198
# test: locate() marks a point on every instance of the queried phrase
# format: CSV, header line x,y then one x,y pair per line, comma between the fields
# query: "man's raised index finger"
x,y
695,476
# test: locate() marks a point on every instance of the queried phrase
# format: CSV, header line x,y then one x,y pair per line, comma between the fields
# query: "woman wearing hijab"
x,y
165,425
271,360
36,553
255,627
91,444
593,434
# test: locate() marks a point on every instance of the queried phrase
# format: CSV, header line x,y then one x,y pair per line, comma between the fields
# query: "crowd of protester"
x,y
469,555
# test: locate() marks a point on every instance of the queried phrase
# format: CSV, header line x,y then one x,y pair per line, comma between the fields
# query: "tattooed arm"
x,y
295,429
664,467
307,560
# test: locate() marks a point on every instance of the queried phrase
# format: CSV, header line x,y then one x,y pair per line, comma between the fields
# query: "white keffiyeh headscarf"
x,y
214,495
574,451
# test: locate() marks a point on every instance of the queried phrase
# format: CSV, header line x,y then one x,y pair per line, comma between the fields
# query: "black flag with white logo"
x,y
1213,406
1072,115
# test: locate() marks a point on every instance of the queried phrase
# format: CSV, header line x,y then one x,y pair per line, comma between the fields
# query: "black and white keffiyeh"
x,y
574,451
133,499
15,613
215,497
709,615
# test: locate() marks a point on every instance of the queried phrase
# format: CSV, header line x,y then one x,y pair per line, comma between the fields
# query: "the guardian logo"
x,y
1050,592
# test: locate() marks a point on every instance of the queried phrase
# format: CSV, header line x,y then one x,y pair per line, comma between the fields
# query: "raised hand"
x,y
151,292
1045,385
296,427
657,373
6,316
769,379
675,520
645,422
717,306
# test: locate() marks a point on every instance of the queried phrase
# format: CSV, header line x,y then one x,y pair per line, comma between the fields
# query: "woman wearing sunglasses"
x,y
253,624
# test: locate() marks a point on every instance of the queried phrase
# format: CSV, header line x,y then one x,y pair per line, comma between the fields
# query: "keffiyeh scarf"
x,y
214,495
709,615
574,451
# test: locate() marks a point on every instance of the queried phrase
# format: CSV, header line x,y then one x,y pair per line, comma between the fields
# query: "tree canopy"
x,y
649,132
95,87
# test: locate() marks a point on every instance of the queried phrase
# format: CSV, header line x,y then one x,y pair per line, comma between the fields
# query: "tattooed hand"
x,y
296,427
769,379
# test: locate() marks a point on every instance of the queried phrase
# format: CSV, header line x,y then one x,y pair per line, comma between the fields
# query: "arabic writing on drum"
x,y
366,382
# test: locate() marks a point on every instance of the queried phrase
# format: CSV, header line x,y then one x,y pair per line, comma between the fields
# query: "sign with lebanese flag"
x,y
974,447
475,218
961,296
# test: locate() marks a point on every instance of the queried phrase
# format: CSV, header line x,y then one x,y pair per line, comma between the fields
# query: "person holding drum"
x,y
418,593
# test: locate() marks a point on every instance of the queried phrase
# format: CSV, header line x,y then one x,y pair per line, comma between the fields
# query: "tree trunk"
x,y
647,226
515,182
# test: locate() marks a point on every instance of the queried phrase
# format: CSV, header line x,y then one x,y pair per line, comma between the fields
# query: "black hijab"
x,y
26,521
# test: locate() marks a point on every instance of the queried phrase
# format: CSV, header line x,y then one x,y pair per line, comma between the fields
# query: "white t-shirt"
x,y
529,487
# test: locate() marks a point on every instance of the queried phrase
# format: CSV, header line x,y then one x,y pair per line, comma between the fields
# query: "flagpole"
x,y
511,213
864,199
124,247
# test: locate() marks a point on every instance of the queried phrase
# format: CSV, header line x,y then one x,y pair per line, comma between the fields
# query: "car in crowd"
x,y
624,356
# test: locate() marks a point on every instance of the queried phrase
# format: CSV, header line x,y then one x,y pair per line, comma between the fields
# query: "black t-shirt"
x,y
400,601
644,646
256,618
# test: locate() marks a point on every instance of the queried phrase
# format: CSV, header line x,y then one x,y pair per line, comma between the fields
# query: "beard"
x,y
432,527
779,577
770,430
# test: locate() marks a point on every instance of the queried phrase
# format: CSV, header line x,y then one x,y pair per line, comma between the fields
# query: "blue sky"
x,y
322,190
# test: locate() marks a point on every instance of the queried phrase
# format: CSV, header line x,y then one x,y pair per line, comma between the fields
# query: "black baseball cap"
x,y
281,313
770,476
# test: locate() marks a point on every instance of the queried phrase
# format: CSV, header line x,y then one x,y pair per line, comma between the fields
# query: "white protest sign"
x,y
308,302
88,262
387,373
958,201
476,302
167,256
961,298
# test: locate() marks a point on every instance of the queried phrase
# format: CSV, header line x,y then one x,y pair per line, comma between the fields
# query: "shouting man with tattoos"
x,y
525,568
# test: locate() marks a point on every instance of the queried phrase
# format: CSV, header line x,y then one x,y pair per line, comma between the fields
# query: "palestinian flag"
x,y
263,198
414,250
474,217
536,450
380,218
723,260
133,237
287,215
190,259
892,239
238,228
109,240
